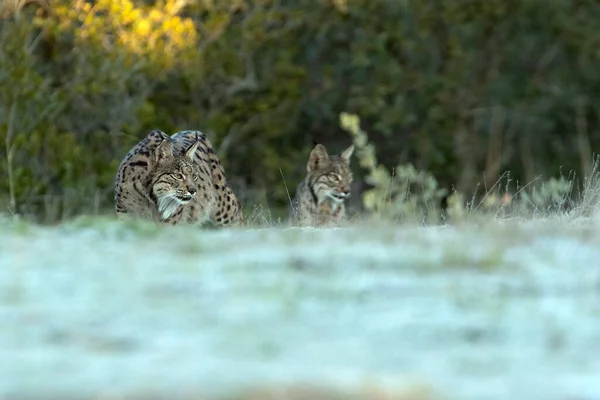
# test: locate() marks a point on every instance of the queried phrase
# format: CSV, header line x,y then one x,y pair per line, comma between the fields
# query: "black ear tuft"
x,y
315,142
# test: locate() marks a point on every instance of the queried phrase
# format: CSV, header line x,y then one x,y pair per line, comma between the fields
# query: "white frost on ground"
x,y
504,311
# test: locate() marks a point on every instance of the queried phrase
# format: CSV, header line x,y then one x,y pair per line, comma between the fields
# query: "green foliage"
x,y
462,89
405,192
549,197
535,199
589,201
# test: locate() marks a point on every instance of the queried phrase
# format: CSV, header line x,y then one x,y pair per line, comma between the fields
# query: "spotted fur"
x,y
175,179
319,198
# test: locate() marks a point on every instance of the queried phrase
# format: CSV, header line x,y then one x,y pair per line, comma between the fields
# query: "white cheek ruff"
x,y
167,205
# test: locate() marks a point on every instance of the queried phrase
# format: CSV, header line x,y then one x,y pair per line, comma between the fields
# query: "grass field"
x,y
95,309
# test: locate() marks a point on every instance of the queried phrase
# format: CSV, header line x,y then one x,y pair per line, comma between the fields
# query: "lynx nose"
x,y
192,190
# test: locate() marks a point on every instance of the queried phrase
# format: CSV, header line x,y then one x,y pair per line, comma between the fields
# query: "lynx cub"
x,y
175,179
319,198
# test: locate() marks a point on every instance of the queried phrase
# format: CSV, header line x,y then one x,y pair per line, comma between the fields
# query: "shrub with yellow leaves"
x,y
157,33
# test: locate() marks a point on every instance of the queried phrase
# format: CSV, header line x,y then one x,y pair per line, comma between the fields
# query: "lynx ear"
x,y
346,154
191,151
157,136
318,156
164,151
163,135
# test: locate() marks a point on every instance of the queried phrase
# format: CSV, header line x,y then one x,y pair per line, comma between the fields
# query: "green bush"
x,y
400,194
465,90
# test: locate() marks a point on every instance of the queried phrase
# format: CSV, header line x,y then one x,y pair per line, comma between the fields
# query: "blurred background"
x,y
464,90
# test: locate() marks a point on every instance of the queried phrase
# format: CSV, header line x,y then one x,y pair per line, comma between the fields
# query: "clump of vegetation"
x,y
406,193
536,199
402,193
588,203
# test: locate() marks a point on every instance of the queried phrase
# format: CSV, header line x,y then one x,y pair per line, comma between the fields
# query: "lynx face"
x,y
330,176
175,180
319,198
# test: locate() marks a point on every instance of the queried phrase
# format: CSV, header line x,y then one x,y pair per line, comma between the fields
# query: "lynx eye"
x,y
178,175
335,178
195,177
